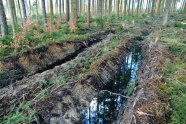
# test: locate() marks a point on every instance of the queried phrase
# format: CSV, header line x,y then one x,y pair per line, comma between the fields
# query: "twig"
x,y
117,94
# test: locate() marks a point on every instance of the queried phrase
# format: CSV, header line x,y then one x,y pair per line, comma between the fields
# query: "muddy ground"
x,y
42,58
65,98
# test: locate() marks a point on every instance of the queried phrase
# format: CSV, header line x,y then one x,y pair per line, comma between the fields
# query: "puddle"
x,y
105,108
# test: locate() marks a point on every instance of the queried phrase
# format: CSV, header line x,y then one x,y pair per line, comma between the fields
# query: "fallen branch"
x,y
117,94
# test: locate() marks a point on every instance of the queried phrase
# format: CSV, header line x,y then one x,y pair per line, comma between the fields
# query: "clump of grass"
x,y
177,49
175,90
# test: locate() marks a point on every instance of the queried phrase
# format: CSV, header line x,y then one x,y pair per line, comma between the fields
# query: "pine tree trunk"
x,y
93,6
129,4
63,6
133,2
30,7
73,17
51,16
153,8
117,8
166,11
158,4
110,7
44,11
12,15
138,6
125,8
67,11
106,7
3,22
88,18
184,7
60,9
24,10
56,7
19,7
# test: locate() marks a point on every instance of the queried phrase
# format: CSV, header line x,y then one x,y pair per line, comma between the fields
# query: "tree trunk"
x,y
100,11
56,7
125,8
166,11
51,16
13,15
30,7
24,10
106,7
110,7
153,8
73,16
184,7
63,6
117,8
93,6
138,6
88,18
3,22
60,9
133,3
67,11
129,3
19,7
44,11
158,4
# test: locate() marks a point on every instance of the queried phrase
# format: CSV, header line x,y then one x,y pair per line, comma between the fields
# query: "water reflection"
x,y
105,108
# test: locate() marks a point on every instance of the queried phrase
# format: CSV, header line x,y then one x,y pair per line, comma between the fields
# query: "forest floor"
x,y
54,82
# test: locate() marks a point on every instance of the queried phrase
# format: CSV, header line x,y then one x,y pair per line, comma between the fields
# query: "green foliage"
x,y
175,89
177,49
6,40
20,114
177,24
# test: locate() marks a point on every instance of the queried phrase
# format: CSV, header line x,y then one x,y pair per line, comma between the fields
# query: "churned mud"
x,y
73,76
37,60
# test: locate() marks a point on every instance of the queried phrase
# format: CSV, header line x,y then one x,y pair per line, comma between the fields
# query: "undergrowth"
x,y
174,88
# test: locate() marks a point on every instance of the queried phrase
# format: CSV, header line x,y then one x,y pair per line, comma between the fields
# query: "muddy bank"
x,y
67,102
72,96
146,105
43,58
46,81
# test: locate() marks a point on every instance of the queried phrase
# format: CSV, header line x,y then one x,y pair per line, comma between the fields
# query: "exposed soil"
x,y
64,101
39,59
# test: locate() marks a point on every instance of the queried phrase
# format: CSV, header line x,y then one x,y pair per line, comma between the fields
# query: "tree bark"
x,y
125,8
88,18
24,10
110,7
13,15
3,22
60,9
44,11
51,15
166,11
67,11
19,7
73,16
153,8
117,8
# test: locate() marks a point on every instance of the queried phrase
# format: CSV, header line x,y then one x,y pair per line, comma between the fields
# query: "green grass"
x,y
175,90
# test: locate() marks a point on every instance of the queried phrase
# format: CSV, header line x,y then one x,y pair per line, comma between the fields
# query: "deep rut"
x,y
43,58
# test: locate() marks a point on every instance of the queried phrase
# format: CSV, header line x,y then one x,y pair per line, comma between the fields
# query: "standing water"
x,y
105,108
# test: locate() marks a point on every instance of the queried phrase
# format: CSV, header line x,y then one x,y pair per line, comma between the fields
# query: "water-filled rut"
x,y
105,108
